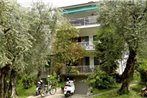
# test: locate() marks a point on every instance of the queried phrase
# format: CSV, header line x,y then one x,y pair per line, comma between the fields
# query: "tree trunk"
x,y
128,73
4,76
38,75
13,83
2,85
7,82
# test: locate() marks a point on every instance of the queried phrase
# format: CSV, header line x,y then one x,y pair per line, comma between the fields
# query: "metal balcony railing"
x,y
78,69
84,21
87,46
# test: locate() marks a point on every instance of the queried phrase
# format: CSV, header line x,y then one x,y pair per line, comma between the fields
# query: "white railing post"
x,y
84,21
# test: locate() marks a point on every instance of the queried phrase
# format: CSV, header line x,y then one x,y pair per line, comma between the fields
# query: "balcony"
x,y
85,21
87,46
78,70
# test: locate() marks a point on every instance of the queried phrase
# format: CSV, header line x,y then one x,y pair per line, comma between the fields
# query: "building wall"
x,y
90,31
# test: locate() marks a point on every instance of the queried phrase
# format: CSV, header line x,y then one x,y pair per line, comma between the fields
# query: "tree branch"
x,y
6,30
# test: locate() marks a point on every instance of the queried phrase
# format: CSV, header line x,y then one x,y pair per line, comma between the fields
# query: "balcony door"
x,y
85,41
87,61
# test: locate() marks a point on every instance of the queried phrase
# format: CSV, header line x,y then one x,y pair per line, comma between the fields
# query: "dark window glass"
x,y
79,39
87,62
85,39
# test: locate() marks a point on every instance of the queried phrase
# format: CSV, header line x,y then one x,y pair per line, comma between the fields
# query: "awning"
x,y
80,9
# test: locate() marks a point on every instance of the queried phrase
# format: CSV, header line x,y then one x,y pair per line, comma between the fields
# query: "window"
x,y
85,39
87,62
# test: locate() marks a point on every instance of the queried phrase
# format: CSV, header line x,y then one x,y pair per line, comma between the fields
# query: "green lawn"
x,y
24,93
112,93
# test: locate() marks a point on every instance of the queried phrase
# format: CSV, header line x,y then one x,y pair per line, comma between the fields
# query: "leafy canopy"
x,y
123,28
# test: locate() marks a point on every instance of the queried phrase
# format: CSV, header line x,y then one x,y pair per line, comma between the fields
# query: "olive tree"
x,y
15,42
25,36
123,24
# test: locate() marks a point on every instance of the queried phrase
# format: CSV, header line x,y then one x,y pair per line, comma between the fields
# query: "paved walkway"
x,y
59,94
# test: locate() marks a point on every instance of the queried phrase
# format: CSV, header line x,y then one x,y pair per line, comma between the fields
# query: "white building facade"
x,y
84,18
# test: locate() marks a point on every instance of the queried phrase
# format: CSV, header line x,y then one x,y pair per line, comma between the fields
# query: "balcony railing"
x,y
84,21
87,46
77,70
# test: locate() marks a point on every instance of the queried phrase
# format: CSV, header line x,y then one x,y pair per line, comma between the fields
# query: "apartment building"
x,y
83,17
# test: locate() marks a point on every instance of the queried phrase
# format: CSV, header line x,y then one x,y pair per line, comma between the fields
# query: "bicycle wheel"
x,y
43,92
52,90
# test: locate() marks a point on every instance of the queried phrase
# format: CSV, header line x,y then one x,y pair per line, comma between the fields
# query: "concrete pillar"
x,y
90,39
91,62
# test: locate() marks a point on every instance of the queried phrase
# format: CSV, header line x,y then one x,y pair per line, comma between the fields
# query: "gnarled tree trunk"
x,y
13,83
7,82
128,73
4,76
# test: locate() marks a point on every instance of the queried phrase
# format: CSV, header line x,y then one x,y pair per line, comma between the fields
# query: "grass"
x,y
135,86
112,93
136,77
24,93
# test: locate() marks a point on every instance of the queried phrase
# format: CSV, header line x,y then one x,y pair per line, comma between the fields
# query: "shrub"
x,y
101,80
143,75
72,69
27,81
117,77
53,79
143,71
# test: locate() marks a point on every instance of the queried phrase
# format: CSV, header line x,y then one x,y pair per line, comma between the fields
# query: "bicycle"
x,y
47,89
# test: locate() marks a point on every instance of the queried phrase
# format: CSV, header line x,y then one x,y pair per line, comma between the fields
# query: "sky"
x,y
56,3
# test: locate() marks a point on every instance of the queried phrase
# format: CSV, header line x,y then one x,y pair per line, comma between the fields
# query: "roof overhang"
x,y
90,6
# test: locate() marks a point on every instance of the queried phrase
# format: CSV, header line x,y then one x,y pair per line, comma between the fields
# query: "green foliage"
x,y
27,80
138,87
66,50
143,65
126,21
142,68
24,93
101,80
134,92
114,94
61,85
72,69
109,49
42,25
53,79
25,38
15,39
